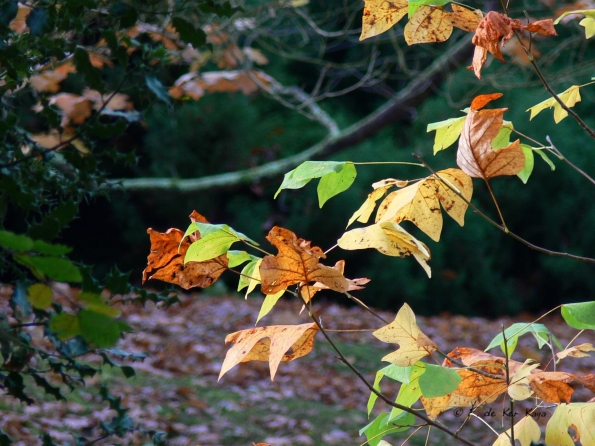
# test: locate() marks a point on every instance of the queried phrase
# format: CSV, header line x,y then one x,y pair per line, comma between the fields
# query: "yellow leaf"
x,y
428,24
464,18
589,24
251,345
363,213
388,238
526,431
519,388
569,97
420,202
413,343
447,132
580,417
380,15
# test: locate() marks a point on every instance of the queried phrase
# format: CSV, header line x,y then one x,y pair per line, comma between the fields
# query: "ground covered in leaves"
x,y
314,400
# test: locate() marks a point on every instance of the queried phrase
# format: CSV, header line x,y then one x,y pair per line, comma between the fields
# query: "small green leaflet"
x,y
529,163
502,139
206,228
55,268
210,246
438,381
65,325
250,276
542,154
381,427
580,315
512,333
398,373
409,393
341,175
267,305
588,22
447,132
238,257
414,5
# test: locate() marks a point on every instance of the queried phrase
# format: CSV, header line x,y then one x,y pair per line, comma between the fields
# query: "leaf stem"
x,y
372,163
497,207
507,369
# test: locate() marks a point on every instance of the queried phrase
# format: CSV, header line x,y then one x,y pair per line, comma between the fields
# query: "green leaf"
x,y
542,154
502,139
409,393
438,381
49,389
196,36
158,89
43,247
206,228
84,66
14,385
267,305
65,325
8,11
15,242
414,5
580,315
96,303
529,163
308,170
373,397
381,427
40,296
336,182
99,329
447,132
210,246
238,257
398,373
39,21
250,276
117,282
539,331
56,268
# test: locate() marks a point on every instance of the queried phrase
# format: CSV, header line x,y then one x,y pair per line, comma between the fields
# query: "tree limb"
x,y
398,107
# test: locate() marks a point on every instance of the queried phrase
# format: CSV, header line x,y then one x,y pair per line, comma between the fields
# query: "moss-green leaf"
x,y
15,242
65,325
56,268
336,182
99,329
40,295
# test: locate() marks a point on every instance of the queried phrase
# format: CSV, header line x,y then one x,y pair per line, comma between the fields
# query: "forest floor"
x,y
314,400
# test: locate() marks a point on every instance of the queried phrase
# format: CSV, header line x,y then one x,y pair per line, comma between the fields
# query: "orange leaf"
x,y
552,387
168,261
75,109
19,23
308,292
250,345
495,29
296,262
464,18
475,155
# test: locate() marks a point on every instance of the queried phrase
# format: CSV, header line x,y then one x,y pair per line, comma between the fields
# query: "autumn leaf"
x,y
447,132
194,85
475,155
19,23
49,81
390,239
588,22
420,202
526,431
380,15
569,97
519,388
365,210
413,343
308,292
465,18
495,30
579,417
552,387
75,109
250,345
166,260
428,24
578,351
296,263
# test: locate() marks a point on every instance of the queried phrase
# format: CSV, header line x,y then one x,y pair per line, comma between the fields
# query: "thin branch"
x,y
398,107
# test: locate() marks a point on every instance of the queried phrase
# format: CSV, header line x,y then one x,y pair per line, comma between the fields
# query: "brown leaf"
x,y
475,155
428,24
380,15
49,81
296,262
578,351
75,109
117,101
195,86
309,291
168,261
250,345
552,387
495,29
19,23
465,18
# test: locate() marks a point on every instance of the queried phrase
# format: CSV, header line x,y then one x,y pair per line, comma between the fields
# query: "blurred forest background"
x,y
477,270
